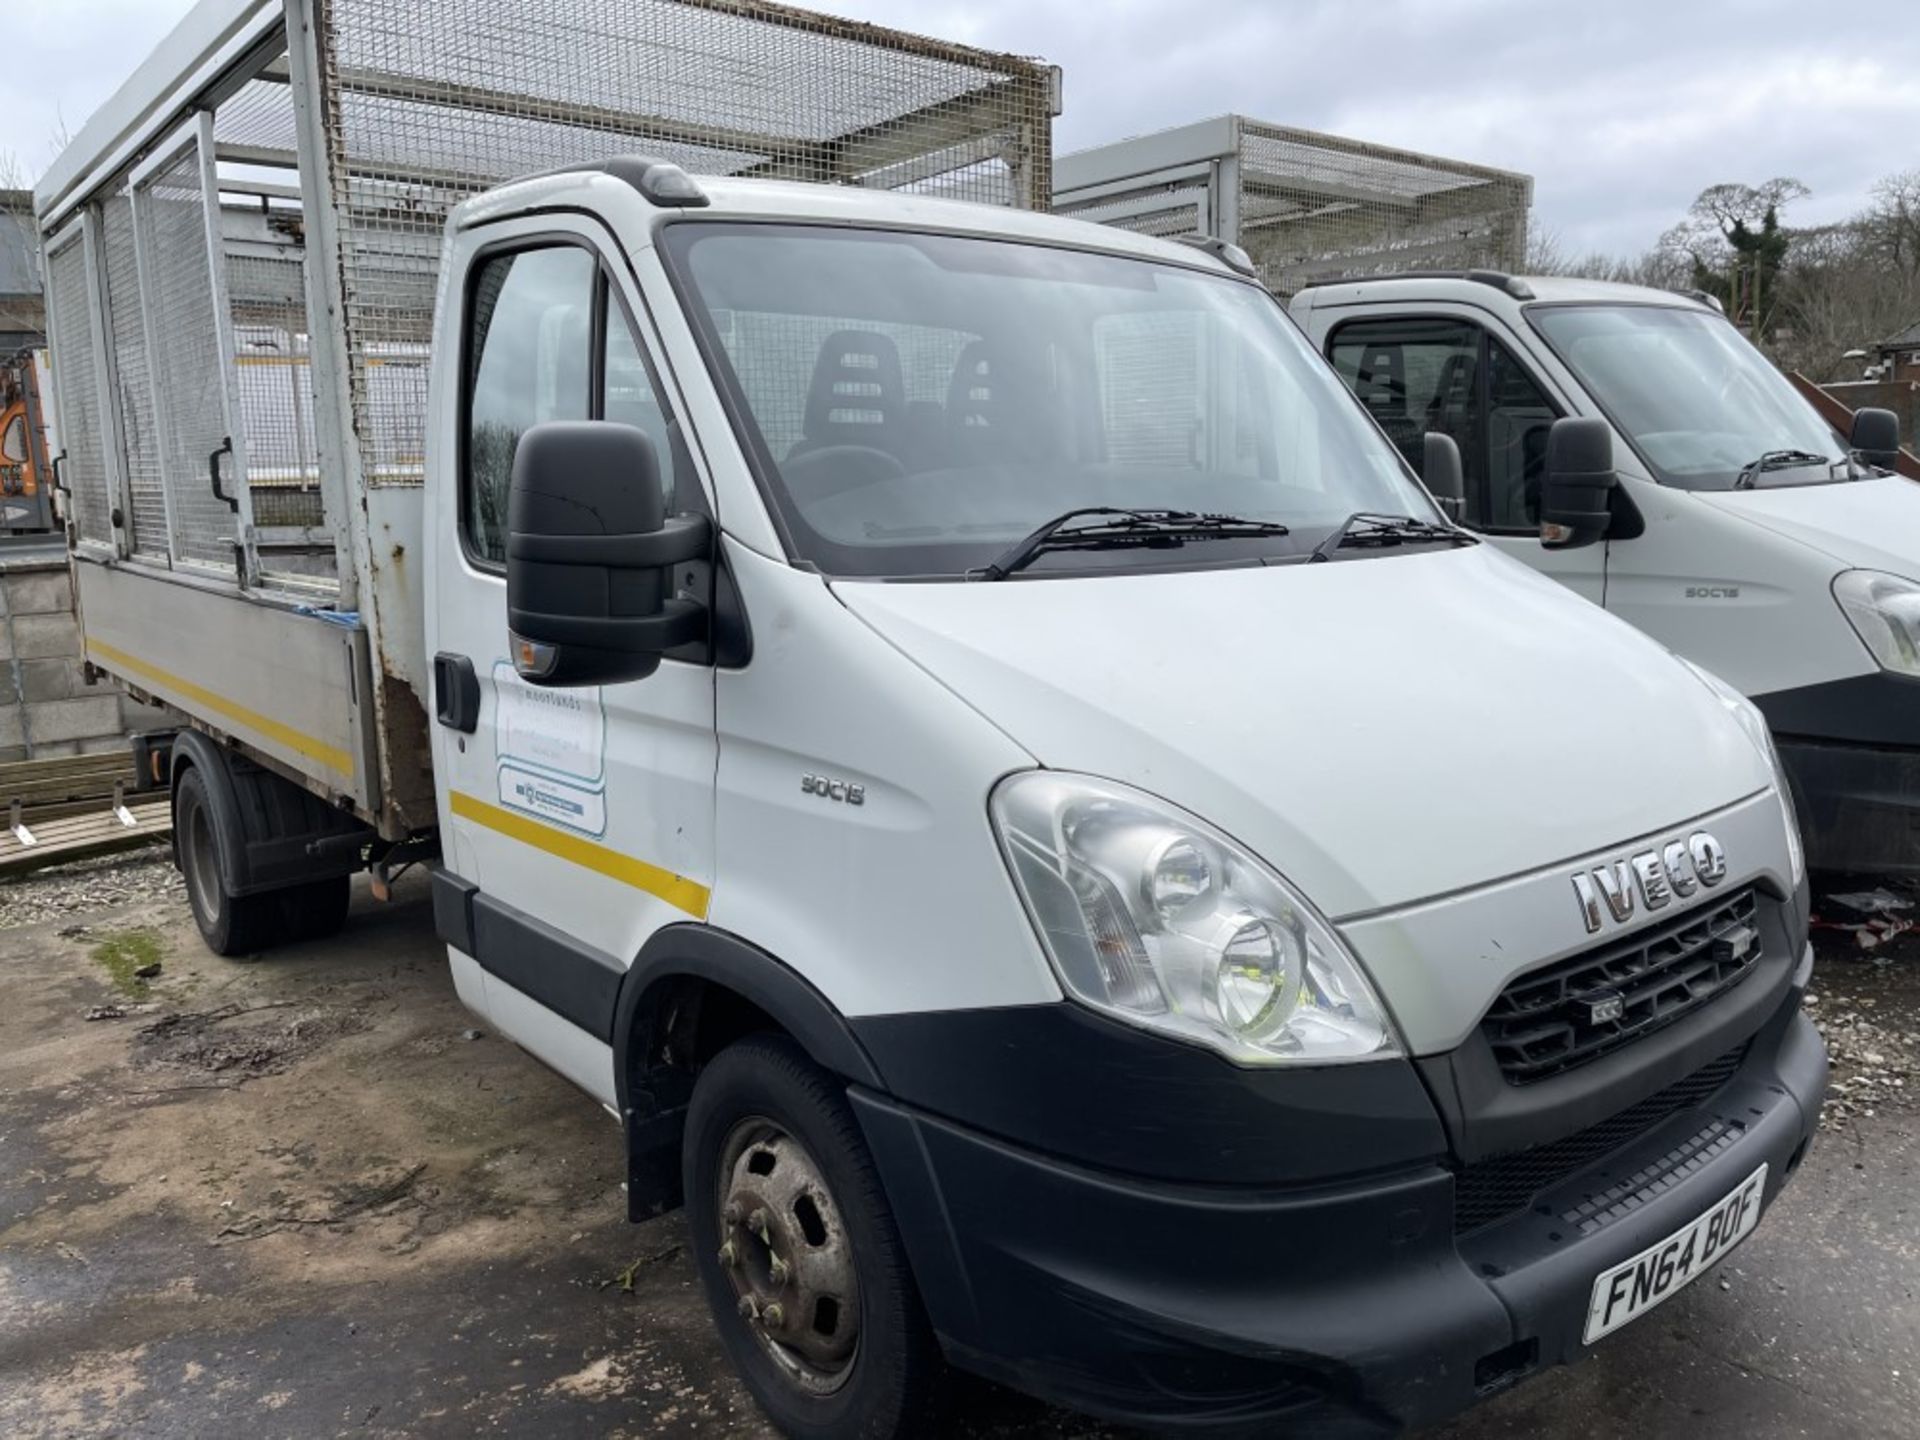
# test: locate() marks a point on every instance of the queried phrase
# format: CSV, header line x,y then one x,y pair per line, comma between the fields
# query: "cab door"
x,y
1450,369
584,816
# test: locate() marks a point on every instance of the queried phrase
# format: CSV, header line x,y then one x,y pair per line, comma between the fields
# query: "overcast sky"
x,y
1622,110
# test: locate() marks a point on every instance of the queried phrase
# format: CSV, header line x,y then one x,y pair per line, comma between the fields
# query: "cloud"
x,y
1621,112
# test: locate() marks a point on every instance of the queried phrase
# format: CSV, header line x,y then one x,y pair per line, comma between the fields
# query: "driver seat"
x,y
858,394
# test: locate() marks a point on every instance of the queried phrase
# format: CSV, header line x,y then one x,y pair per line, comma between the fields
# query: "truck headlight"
x,y
1155,918
1884,611
1754,723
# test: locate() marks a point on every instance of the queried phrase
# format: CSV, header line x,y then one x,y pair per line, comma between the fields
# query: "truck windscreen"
x,y
914,403
1698,402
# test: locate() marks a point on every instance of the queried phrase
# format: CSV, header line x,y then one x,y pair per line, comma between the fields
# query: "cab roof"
x,y
731,198
1476,287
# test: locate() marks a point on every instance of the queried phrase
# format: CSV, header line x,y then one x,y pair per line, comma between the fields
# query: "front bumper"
x,y
1350,1308
1859,805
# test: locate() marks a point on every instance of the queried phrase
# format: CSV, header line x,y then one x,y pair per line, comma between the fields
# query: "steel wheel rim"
x,y
787,1257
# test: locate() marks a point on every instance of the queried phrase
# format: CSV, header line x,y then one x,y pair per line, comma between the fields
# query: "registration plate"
x,y
1628,1291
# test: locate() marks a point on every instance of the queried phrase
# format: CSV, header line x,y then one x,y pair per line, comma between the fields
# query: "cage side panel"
x,y
193,385
133,382
76,377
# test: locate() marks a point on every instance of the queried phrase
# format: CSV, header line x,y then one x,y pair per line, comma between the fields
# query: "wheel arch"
x,y
693,989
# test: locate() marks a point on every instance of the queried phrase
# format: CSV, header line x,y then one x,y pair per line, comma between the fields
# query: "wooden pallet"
x,y
74,808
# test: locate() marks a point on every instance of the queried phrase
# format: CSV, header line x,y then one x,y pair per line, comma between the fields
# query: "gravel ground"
x,y
89,885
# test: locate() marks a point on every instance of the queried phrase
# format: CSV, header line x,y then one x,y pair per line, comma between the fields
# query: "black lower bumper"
x,y
1859,805
1346,1309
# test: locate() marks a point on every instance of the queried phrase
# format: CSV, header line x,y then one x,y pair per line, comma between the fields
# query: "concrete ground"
x,y
310,1195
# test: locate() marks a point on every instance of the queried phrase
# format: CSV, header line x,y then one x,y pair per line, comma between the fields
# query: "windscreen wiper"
x,y
1363,527
1154,529
1778,460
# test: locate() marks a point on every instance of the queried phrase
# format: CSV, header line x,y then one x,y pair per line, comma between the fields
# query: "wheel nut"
x,y
748,1309
774,1316
779,1271
733,1212
757,1222
729,1256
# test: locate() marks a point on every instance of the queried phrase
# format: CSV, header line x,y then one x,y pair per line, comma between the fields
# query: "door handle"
x,y
456,693
232,502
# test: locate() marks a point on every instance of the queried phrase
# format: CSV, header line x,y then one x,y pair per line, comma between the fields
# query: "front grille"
x,y
1572,1012
1491,1190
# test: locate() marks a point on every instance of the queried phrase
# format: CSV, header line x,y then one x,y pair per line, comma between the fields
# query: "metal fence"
x,y
178,287
1305,206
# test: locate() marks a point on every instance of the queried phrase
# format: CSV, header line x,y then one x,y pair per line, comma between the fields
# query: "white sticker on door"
x,y
578,807
563,732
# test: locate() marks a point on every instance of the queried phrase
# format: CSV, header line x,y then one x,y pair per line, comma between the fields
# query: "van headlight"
x,y
1157,919
1884,611
1755,724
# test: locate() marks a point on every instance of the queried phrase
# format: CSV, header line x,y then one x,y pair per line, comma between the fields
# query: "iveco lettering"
x,y
954,726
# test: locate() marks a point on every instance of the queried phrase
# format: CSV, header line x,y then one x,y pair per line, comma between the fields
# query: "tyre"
x,y
802,1263
315,910
230,924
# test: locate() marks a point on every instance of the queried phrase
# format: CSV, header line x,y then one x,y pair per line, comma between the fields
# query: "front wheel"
x,y
802,1263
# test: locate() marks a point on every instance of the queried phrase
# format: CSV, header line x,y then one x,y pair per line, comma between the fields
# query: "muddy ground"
x,y
310,1195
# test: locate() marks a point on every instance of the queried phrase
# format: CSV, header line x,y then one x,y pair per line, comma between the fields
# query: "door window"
x,y
548,340
530,319
1452,377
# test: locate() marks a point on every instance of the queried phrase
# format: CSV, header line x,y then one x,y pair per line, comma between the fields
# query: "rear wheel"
x,y
802,1263
230,924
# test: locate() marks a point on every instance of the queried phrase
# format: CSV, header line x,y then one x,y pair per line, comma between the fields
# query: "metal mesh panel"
x,y
1315,206
132,387
274,383
180,279
81,429
433,102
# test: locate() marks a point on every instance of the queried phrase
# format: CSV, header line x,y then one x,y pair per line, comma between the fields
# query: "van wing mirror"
x,y
590,557
1576,492
1875,437
1443,475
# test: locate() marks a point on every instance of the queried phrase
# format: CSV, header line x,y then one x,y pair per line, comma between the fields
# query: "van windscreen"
x,y
914,403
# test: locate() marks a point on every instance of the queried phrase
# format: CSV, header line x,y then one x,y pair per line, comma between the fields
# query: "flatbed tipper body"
x,y
243,254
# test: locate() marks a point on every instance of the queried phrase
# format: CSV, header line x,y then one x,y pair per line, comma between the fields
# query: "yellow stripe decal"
x,y
331,756
676,890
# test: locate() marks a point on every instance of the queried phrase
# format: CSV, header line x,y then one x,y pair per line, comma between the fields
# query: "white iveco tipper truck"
x,y
1742,529
950,722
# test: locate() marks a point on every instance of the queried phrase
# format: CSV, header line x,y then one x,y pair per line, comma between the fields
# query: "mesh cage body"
x,y
430,103
1316,206
76,374
1306,207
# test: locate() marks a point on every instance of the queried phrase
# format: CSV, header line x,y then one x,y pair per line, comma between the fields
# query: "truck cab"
x,y
1744,532
956,728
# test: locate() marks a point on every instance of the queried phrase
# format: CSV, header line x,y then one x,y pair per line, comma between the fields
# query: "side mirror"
x,y
1577,489
590,557
1442,474
1876,437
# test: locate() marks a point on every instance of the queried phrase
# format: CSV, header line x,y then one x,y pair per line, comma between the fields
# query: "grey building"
x,y
23,313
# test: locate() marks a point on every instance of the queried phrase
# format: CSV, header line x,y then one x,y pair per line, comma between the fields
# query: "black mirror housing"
x,y
1443,474
1876,437
1577,491
590,557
